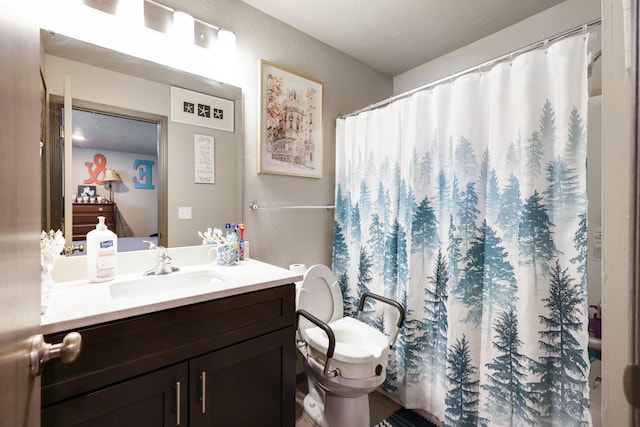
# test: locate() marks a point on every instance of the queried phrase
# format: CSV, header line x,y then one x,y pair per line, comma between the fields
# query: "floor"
x,y
380,406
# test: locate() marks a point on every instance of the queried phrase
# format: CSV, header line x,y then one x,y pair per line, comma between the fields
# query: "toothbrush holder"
x,y
226,254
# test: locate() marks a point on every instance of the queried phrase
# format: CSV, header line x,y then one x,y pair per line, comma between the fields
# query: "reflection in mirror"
x,y
118,85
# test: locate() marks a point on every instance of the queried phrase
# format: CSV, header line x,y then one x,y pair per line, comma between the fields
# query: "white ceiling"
x,y
115,133
394,36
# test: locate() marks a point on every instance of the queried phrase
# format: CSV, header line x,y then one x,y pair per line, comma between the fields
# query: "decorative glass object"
x,y
51,245
227,255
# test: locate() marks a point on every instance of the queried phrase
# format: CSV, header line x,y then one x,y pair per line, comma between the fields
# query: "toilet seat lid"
x,y
320,295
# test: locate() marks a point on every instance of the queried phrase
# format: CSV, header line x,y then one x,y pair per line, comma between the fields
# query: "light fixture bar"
x,y
207,24
95,26
155,3
159,5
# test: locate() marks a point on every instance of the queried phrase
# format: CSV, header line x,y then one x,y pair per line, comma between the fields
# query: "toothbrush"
x,y
241,242
235,241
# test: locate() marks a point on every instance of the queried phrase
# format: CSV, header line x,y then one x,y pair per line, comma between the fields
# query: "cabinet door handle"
x,y
203,385
177,403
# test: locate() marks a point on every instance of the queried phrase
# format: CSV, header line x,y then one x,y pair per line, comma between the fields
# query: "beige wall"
x,y
296,236
567,15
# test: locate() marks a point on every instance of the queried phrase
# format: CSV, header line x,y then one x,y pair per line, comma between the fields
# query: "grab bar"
x,y
386,301
332,339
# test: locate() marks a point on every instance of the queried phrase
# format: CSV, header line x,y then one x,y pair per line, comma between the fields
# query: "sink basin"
x,y
177,282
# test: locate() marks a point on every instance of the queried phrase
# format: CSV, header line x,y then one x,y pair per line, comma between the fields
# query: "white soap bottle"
x,y
102,250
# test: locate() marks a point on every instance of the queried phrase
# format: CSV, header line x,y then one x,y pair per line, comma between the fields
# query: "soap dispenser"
x,y
102,250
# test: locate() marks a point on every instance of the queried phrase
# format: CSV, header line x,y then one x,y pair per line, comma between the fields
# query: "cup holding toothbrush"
x,y
225,254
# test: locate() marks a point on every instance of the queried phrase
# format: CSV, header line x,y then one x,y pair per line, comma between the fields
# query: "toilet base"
x,y
338,411
314,409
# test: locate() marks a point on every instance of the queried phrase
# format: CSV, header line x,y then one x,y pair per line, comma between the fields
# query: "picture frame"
x,y
87,190
291,114
204,159
199,109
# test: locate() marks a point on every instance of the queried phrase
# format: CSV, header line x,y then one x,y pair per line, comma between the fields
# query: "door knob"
x,y
69,250
41,352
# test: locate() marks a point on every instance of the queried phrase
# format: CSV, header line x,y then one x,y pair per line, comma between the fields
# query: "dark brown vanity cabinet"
x,y
242,385
146,401
226,362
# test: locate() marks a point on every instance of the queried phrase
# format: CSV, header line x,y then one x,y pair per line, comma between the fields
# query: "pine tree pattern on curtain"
x,y
467,204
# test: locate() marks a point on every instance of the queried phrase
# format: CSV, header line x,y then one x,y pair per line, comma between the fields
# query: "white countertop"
x,y
78,303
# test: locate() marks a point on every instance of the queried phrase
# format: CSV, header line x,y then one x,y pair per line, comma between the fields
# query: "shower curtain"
x,y
467,202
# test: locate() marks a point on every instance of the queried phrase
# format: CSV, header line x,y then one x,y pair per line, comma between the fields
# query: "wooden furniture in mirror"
x,y
85,217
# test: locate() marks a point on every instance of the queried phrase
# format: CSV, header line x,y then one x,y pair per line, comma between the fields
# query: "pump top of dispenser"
x,y
101,225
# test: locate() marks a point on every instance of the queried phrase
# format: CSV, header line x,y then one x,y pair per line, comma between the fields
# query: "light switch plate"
x,y
184,212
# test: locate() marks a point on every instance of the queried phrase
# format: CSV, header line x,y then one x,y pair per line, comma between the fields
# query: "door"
x,y
258,371
19,211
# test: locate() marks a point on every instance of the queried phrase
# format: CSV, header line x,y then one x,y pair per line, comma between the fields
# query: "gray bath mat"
x,y
405,418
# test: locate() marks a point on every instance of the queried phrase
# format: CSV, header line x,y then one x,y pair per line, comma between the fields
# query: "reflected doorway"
x,y
130,143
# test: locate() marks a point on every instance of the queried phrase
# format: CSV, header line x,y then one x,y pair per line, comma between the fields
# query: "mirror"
x,y
105,81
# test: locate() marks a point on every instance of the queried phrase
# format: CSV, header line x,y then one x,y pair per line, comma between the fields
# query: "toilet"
x,y
357,352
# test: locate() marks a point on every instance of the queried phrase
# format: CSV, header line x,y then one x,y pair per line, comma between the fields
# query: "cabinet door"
x,y
247,384
155,399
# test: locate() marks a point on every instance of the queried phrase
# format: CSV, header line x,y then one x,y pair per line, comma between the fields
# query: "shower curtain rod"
x,y
486,64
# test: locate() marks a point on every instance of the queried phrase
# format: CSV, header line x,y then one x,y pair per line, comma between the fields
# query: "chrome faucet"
x,y
163,263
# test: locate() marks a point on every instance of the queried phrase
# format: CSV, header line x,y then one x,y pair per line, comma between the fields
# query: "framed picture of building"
x,y
290,123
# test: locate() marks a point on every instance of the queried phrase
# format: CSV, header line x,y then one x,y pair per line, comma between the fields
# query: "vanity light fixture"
x,y
226,44
183,27
131,12
191,30
110,176
95,26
